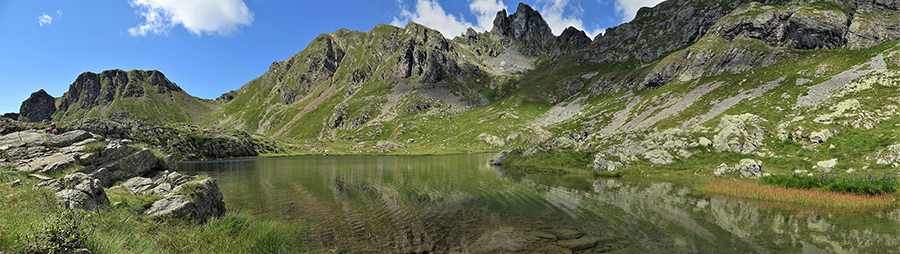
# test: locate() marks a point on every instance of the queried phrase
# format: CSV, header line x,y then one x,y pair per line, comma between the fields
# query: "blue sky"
x,y
209,47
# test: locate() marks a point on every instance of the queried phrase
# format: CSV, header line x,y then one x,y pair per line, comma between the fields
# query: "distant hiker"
x,y
572,136
51,129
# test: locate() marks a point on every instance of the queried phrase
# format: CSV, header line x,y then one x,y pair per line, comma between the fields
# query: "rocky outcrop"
x,y
826,165
494,141
499,157
739,133
188,142
889,156
38,107
199,200
100,89
95,163
748,168
601,163
528,29
800,27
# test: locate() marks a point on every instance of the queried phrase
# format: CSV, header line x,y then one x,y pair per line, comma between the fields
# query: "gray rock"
x,y
82,251
15,183
739,133
494,141
659,156
799,27
584,243
567,234
721,170
821,136
87,193
38,107
889,155
504,240
499,157
601,163
137,184
199,200
703,141
67,138
136,164
750,168
826,165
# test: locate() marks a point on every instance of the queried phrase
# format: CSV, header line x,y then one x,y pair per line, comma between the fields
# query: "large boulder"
x,y
136,164
77,191
739,133
601,163
826,165
659,156
750,168
67,138
499,157
38,107
198,200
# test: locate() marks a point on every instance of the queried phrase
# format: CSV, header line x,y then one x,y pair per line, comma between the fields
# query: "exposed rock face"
x,y
214,143
528,28
12,116
38,107
491,139
92,89
199,200
658,31
659,156
748,168
601,163
800,27
499,157
78,191
739,133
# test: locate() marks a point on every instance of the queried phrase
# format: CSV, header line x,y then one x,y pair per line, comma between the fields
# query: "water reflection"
x,y
460,204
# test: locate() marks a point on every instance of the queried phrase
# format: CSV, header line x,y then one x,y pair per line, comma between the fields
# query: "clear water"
x,y
458,203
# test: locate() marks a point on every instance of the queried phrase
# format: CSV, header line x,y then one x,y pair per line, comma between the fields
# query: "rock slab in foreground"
x,y
199,200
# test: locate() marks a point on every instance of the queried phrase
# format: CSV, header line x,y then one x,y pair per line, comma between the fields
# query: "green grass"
x,y
122,227
863,186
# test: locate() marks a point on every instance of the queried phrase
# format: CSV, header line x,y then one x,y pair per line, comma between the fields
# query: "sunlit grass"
x,y
803,197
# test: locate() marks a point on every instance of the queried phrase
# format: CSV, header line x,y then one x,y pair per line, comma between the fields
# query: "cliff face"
x,y
135,94
38,107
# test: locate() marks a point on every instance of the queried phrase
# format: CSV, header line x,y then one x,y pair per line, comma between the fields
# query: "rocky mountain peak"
x,y
38,107
527,27
94,89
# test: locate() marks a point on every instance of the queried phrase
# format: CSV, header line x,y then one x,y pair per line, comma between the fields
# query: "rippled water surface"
x,y
458,203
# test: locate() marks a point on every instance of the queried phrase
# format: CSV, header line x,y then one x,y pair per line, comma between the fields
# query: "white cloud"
x,y
59,13
44,19
197,16
561,14
485,11
430,14
627,9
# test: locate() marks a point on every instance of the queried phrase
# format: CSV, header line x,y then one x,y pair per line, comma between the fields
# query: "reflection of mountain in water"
x,y
762,230
458,204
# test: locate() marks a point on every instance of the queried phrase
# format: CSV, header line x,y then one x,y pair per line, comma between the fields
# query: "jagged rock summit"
x,y
38,107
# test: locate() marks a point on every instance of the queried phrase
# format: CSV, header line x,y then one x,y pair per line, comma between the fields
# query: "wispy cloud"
x,y
627,9
430,13
44,19
561,14
485,11
59,13
198,16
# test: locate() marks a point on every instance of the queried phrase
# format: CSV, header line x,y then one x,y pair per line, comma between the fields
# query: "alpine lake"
x,y
461,204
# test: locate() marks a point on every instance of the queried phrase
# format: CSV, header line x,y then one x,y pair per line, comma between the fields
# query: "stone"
x,y
659,157
201,201
567,234
544,235
601,163
68,138
138,184
504,240
14,184
78,191
721,170
821,136
739,133
38,107
82,251
799,27
584,243
499,157
136,164
826,165
703,141
494,141
750,168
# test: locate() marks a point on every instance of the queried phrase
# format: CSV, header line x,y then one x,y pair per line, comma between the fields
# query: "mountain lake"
x,y
460,203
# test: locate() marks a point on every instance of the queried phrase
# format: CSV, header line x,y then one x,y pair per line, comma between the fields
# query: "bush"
x,y
64,232
861,186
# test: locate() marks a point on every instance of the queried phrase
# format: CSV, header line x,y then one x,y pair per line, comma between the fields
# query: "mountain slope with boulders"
x,y
681,64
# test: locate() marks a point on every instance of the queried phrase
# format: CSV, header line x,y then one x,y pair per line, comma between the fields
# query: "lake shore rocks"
x,y
748,168
88,164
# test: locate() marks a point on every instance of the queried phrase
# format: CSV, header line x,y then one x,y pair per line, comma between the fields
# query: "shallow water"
x,y
458,203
